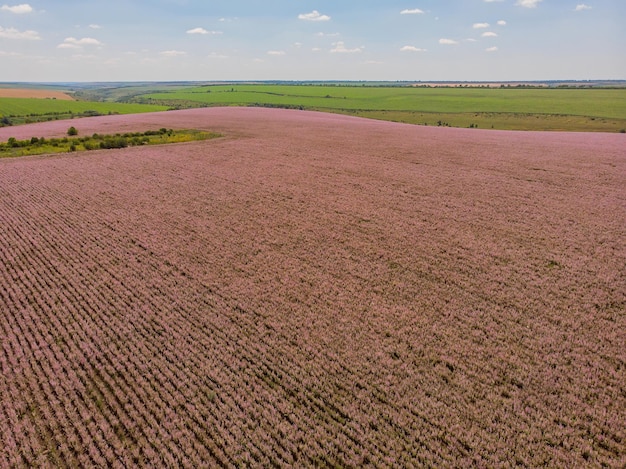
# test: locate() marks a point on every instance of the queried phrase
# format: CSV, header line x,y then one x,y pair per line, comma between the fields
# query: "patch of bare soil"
x,y
33,93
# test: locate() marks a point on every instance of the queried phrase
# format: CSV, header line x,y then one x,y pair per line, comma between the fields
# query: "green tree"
x,y
72,131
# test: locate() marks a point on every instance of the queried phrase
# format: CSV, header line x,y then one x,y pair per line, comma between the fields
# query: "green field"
x,y
24,110
596,109
515,108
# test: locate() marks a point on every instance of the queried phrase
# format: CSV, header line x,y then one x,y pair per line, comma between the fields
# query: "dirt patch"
x,y
28,93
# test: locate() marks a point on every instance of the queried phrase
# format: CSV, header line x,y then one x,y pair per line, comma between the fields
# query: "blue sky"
x,y
128,40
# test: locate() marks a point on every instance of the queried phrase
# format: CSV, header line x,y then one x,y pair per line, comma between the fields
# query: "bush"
x,y
72,131
114,142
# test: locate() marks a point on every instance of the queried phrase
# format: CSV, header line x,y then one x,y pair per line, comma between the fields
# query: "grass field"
x,y
25,110
501,108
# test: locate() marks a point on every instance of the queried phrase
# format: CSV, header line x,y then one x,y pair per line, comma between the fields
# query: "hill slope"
x,y
314,289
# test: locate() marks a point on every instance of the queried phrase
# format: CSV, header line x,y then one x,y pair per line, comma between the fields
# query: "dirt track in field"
x,y
314,289
32,93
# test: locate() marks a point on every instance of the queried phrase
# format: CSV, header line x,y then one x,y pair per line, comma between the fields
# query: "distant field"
x,y
25,110
505,108
502,108
34,93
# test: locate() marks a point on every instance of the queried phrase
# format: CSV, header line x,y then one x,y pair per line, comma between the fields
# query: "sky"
x,y
415,40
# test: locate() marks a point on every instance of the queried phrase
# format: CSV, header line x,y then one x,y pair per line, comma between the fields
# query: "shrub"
x,y
114,142
72,131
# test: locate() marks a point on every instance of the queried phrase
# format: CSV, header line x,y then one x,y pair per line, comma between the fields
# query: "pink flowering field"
x,y
313,290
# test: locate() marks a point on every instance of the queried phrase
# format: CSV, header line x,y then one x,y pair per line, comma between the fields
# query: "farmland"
x,y
506,107
26,110
34,93
502,108
313,289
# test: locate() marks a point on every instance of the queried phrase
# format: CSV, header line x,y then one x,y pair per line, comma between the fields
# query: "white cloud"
x,y
202,31
172,53
340,47
489,34
412,49
67,46
215,55
480,25
276,52
491,49
448,42
582,7
501,23
197,31
18,9
313,16
95,26
327,34
493,1
89,41
528,3
414,11
73,43
12,33
83,56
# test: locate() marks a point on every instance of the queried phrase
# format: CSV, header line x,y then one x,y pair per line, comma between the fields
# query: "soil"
x,y
34,93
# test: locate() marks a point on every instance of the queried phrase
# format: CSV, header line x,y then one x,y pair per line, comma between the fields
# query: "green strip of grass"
x,y
15,111
499,120
42,146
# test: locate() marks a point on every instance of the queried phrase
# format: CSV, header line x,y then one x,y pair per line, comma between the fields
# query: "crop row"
x,y
111,394
295,299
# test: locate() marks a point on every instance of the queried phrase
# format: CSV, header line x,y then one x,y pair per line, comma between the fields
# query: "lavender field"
x,y
313,290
